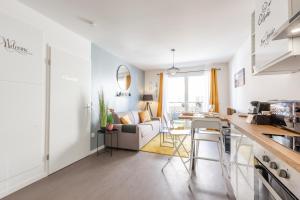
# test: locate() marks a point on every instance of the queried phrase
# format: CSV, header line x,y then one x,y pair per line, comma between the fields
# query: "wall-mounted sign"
x,y
265,40
12,45
265,12
239,78
21,51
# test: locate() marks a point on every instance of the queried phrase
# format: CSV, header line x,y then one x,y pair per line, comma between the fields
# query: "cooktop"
x,y
291,142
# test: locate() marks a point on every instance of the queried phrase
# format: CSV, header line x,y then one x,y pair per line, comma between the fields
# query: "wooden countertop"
x,y
255,132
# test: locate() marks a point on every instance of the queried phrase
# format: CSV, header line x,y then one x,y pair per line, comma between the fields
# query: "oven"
x,y
267,186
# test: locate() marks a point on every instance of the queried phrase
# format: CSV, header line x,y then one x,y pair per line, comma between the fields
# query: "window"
x,y
198,93
176,94
188,93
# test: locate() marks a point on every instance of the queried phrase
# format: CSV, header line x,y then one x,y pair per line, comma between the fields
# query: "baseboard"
x,y
95,150
20,181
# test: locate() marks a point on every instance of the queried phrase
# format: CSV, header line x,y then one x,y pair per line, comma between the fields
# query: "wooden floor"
x,y
127,175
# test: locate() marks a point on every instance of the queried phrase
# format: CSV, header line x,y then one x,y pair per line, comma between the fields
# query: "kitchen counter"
x,y
255,132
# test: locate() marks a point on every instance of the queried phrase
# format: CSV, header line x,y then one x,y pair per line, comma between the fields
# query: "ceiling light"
x,y
87,21
173,70
295,30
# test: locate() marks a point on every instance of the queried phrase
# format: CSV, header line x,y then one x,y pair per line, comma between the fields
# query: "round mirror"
x,y
123,77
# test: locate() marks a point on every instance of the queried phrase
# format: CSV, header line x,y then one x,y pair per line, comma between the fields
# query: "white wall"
x,y
57,36
261,88
152,84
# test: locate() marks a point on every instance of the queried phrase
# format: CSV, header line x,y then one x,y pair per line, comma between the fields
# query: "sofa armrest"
x,y
155,118
145,124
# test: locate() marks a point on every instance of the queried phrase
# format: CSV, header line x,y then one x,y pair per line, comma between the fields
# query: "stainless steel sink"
x,y
290,142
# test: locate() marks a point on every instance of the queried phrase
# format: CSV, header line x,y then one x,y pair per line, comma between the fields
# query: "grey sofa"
x,y
133,136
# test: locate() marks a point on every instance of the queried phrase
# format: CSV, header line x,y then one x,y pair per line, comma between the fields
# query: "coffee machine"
x,y
257,114
256,107
253,107
286,114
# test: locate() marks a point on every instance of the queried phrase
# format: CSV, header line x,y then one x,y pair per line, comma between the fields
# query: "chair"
x,y
165,131
201,132
179,137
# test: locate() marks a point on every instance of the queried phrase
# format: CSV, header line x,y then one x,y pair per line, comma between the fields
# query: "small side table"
x,y
111,133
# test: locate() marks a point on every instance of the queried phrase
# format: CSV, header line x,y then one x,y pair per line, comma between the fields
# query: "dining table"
x,y
193,116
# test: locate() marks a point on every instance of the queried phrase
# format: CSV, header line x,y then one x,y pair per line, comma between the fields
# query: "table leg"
x,y
111,147
160,138
97,144
192,154
117,141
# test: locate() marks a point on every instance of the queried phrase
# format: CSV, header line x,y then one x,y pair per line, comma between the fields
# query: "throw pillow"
x,y
144,116
125,120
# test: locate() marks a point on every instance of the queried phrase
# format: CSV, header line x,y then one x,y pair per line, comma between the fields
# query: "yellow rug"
x,y
166,149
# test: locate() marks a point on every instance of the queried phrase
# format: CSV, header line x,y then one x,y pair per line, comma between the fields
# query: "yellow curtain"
x,y
160,96
214,96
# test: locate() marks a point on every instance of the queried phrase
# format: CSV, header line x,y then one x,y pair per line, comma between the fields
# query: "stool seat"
x,y
207,137
208,132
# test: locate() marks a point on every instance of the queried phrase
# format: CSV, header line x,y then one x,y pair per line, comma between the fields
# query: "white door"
x,y
69,120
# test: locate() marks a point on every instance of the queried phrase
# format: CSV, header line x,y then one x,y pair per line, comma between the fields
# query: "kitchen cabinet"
x,y
295,6
271,56
242,165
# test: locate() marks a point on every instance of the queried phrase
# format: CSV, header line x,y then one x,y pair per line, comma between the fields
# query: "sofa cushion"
x,y
135,116
125,120
122,114
130,128
144,116
116,118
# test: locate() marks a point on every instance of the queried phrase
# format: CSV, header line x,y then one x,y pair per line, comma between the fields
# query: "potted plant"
x,y
110,121
103,111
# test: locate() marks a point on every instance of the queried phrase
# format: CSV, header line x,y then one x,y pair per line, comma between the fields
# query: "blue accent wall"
x,y
104,70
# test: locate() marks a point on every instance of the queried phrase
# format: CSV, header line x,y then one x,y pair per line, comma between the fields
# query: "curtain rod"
x,y
202,70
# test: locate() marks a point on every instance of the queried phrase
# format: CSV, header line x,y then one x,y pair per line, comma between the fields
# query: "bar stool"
x,y
201,132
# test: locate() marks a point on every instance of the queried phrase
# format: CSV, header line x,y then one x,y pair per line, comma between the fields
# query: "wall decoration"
x,y
12,46
123,94
267,37
153,89
239,78
265,12
124,81
123,77
21,51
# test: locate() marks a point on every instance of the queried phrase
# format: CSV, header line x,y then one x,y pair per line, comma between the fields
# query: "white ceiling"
x,y
142,32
